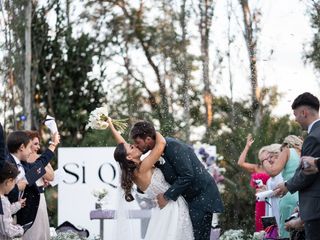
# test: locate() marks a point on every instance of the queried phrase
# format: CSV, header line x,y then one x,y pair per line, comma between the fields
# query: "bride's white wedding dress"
x,y
173,221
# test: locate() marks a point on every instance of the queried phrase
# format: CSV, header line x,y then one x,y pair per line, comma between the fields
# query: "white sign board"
x,y
81,171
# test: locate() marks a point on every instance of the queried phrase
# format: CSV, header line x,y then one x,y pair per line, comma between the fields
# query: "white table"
x,y
102,214
143,214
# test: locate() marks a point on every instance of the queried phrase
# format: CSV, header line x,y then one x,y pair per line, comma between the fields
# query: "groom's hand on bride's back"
x,y
162,201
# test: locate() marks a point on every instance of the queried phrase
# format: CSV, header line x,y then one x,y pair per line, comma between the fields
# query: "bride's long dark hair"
x,y
127,169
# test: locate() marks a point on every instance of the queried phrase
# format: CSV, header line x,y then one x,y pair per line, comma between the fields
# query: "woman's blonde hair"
x,y
292,141
272,148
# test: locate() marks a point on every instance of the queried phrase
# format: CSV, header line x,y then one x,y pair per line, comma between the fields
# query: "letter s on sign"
x,y
71,172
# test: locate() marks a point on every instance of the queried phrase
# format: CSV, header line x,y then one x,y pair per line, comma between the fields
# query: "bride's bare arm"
x,y
117,136
155,153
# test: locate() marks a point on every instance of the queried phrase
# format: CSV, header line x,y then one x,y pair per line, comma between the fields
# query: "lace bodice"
x,y
158,184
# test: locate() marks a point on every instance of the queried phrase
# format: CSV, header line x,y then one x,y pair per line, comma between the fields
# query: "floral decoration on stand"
x,y
210,159
100,196
233,234
68,235
98,120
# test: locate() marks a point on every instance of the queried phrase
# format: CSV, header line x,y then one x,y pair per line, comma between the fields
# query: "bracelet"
x,y
52,143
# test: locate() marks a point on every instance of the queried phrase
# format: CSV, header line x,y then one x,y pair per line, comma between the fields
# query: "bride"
x,y
171,222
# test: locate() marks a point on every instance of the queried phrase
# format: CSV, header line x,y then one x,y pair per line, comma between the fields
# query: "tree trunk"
x,y
206,8
251,43
27,70
185,74
162,109
229,63
68,12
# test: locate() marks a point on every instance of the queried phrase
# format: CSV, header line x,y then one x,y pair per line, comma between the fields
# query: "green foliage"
x,y
157,40
64,87
313,55
51,194
233,128
15,39
99,138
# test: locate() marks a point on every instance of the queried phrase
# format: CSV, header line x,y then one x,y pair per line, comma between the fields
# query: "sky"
x,y
286,31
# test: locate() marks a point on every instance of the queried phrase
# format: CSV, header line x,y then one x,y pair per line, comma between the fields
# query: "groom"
x,y
187,176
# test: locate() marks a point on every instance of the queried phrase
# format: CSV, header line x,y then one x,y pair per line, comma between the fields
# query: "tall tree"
x,y
27,66
186,66
251,29
206,9
161,47
313,55
64,86
13,13
230,74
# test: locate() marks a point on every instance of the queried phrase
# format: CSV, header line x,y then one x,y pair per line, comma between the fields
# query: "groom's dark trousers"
x,y
308,186
189,178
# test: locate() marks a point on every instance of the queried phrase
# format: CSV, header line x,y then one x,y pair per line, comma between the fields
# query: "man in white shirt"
x,y
19,146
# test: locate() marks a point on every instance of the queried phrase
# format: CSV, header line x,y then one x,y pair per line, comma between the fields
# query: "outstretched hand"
x,y
109,120
162,202
294,224
309,165
280,190
250,140
56,138
22,201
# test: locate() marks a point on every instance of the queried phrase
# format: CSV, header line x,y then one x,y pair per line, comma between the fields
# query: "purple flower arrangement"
x,y
209,158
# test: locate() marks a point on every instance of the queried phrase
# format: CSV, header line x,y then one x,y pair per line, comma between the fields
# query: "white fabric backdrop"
x,y
82,170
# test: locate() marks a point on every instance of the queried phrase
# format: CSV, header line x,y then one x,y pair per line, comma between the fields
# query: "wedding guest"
x,y
268,155
257,174
40,229
9,230
306,111
19,146
288,161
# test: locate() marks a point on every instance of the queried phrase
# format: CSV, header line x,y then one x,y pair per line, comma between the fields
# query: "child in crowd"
x,y
8,230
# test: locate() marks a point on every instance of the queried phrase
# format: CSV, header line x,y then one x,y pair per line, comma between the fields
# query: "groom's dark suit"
x,y
188,178
31,192
308,185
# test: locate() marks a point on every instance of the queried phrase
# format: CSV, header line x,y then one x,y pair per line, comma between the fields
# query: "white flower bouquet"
x,y
233,234
68,235
100,194
98,120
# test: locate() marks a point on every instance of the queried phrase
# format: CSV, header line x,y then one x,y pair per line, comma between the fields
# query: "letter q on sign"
x,y
107,174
